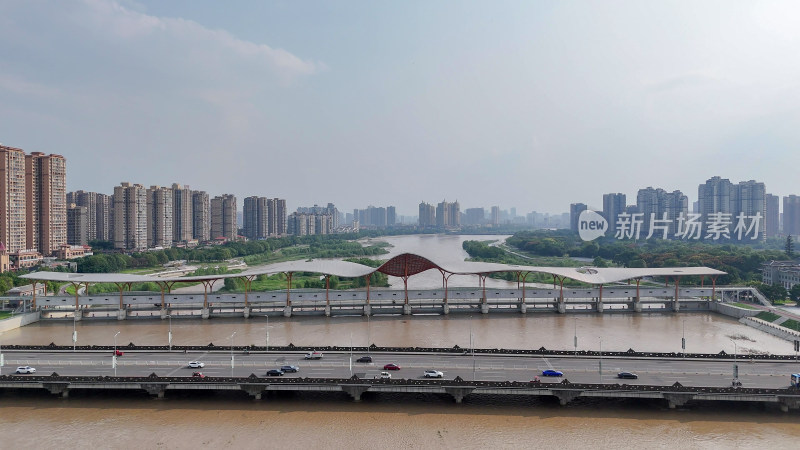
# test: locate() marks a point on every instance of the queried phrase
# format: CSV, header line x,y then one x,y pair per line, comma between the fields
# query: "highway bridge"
x,y
676,380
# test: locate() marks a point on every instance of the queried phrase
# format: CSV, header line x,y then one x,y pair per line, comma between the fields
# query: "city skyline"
x,y
383,98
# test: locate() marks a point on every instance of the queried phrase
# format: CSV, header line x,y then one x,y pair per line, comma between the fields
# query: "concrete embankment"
x,y
771,328
17,321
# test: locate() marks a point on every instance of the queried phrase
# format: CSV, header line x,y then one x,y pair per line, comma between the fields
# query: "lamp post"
x,y
575,342
472,347
74,330
2,359
683,340
231,338
267,347
601,360
169,333
114,356
735,366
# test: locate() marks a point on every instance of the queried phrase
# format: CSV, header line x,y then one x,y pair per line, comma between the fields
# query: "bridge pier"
x,y
122,314
562,307
523,308
205,313
484,308
78,315
676,400
355,390
637,305
246,312
458,393
446,309
287,311
600,305
155,389
788,403
164,313
61,389
406,309
367,310
327,310
565,397
254,390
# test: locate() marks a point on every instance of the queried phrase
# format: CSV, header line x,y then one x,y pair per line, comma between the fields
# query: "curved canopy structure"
x,y
404,266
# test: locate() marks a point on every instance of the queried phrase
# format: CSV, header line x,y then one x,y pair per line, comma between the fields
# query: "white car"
x,y
386,376
433,374
26,369
196,365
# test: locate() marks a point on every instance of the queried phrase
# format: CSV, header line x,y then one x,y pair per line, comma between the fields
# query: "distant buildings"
x,y
773,215
130,217
33,192
474,216
427,215
575,211
661,205
719,195
376,217
77,225
223,217
791,215
613,206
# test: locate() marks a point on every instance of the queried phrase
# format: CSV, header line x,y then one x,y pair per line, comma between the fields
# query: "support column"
x,y
484,303
163,303
287,310
327,296
676,304
600,300
565,397
637,304
446,305
523,308
406,305
155,389
355,390
77,306
33,300
458,393
205,314
676,400
562,306
713,288
254,390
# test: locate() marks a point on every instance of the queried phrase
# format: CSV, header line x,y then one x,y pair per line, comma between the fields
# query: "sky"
x,y
526,104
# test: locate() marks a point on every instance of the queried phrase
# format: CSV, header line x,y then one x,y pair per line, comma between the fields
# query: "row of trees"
x,y
320,246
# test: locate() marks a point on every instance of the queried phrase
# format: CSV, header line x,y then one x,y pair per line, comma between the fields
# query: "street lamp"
x,y
601,360
231,338
735,366
575,343
267,333
683,340
114,356
74,330
169,334
472,347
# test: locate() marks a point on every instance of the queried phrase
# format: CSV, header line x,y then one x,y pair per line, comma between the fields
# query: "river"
x,y
420,422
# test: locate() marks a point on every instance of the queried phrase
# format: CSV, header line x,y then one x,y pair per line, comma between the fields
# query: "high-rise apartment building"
x,y
223,217
613,206
159,216
474,216
448,215
391,216
791,215
182,213
719,195
201,216
46,202
130,216
12,194
773,215
103,213
77,225
575,210
495,216
661,205
256,217
427,215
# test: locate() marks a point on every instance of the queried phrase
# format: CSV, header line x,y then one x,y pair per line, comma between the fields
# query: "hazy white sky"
x,y
533,104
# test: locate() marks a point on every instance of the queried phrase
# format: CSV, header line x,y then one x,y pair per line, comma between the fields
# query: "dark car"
x,y
365,359
391,366
628,375
552,373
274,373
292,369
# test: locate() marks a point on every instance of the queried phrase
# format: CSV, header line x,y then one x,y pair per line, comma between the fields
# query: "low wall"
x,y
771,328
12,323
733,311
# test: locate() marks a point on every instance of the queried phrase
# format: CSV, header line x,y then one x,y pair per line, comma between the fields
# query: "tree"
x,y
794,293
789,247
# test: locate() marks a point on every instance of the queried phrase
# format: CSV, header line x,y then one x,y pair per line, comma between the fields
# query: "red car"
x,y
391,366
198,375
118,352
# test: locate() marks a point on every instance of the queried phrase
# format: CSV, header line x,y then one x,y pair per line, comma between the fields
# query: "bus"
x,y
796,380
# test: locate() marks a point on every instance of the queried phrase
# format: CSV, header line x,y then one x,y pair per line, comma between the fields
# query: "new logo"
x,y
591,225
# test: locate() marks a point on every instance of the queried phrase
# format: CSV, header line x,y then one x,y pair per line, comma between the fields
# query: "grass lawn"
x,y
791,324
5,314
743,305
768,316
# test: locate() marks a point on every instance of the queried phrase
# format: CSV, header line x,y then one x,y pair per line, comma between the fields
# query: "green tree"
x,y
789,247
794,293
